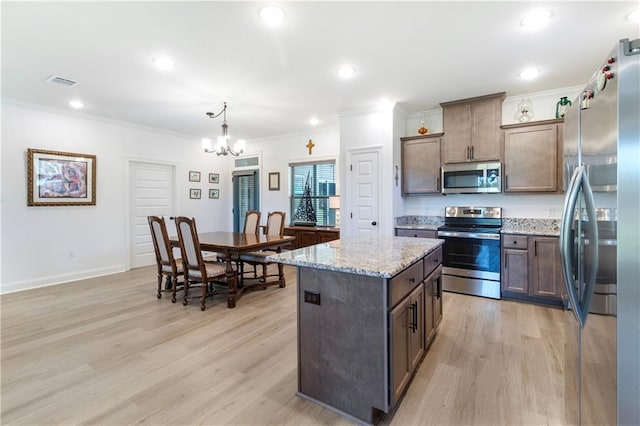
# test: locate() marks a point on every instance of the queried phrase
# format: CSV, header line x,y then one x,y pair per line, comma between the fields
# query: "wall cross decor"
x,y
310,145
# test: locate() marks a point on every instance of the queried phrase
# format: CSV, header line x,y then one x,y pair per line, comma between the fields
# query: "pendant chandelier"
x,y
222,147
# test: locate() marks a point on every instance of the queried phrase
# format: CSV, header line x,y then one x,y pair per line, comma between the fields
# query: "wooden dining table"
x,y
230,245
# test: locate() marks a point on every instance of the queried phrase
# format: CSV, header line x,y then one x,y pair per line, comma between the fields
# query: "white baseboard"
x,y
59,279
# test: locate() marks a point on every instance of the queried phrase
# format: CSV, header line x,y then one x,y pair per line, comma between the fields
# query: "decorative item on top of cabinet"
x,y
421,164
472,129
533,156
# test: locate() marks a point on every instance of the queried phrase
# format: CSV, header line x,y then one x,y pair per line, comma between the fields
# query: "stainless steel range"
x,y
471,251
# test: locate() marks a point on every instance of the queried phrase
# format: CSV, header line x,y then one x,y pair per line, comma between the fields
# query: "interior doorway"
x,y
363,186
152,193
246,195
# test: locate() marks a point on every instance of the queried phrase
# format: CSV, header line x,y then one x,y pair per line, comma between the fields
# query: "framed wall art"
x,y
274,181
194,176
57,178
195,193
214,193
214,178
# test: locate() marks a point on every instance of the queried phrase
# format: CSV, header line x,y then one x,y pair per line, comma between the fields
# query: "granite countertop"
x,y
544,227
419,222
374,256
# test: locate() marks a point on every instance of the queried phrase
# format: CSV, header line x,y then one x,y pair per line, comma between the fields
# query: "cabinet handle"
x,y
506,181
468,157
535,248
412,280
414,317
506,259
472,153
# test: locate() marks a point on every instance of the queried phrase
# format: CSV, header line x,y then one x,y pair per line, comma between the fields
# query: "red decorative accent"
x,y
609,75
606,68
611,60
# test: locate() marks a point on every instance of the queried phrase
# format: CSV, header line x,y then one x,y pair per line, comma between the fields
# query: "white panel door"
x,y
364,187
152,192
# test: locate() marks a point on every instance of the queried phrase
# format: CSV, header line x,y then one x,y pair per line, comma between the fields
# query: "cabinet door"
x,y
305,238
457,133
416,323
324,237
399,343
531,159
429,330
546,280
485,133
515,272
421,166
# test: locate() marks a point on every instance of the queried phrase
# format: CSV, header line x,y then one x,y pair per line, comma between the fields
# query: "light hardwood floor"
x,y
106,351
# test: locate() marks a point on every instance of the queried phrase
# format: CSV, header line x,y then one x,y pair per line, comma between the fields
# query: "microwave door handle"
x,y
566,242
593,247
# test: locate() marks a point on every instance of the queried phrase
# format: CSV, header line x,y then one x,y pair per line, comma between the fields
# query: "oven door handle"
x,y
473,235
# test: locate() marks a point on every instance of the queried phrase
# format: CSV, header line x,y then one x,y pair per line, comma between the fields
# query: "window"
x,y
321,177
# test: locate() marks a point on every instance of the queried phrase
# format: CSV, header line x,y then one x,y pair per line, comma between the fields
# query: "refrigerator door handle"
x,y
593,247
566,242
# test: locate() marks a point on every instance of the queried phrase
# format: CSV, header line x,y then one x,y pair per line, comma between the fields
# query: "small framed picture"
x,y
195,193
194,176
214,178
214,193
274,181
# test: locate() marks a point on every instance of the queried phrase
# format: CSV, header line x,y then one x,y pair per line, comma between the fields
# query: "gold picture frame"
x,y
57,178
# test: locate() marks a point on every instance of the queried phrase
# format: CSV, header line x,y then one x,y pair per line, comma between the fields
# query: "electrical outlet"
x,y
312,297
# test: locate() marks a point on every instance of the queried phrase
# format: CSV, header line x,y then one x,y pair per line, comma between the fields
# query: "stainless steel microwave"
x,y
471,178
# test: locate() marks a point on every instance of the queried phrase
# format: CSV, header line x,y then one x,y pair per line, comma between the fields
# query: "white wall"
x,y
514,205
276,154
37,241
364,130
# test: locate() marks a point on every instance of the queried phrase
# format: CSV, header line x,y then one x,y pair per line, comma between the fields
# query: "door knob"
x,y
374,223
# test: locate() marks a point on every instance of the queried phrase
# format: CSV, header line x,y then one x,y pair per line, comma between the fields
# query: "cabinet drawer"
x,y
432,261
402,284
418,233
514,241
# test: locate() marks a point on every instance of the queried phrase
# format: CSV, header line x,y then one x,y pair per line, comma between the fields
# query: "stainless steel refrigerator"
x,y
600,244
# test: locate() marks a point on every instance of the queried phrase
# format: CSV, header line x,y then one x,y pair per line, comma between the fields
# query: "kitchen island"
x,y
368,307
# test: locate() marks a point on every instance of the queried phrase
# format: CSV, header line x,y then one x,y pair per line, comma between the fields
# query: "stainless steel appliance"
x,y
602,141
469,178
471,250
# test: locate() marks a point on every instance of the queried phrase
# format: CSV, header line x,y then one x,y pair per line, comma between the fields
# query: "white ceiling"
x,y
274,79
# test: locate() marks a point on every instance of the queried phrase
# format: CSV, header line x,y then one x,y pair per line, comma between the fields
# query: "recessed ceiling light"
x,y
164,63
386,103
314,121
536,19
529,73
272,15
634,16
76,104
346,71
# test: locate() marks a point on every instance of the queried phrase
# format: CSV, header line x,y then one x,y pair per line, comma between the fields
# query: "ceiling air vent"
x,y
60,81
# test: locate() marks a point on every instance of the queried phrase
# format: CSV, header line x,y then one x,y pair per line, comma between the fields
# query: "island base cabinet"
x,y
406,322
342,342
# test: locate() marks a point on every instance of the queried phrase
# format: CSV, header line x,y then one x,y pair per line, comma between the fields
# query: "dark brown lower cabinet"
x,y
310,235
432,304
531,269
406,322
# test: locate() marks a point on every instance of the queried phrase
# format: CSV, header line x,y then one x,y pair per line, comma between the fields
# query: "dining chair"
x,y
196,270
251,222
168,265
275,227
